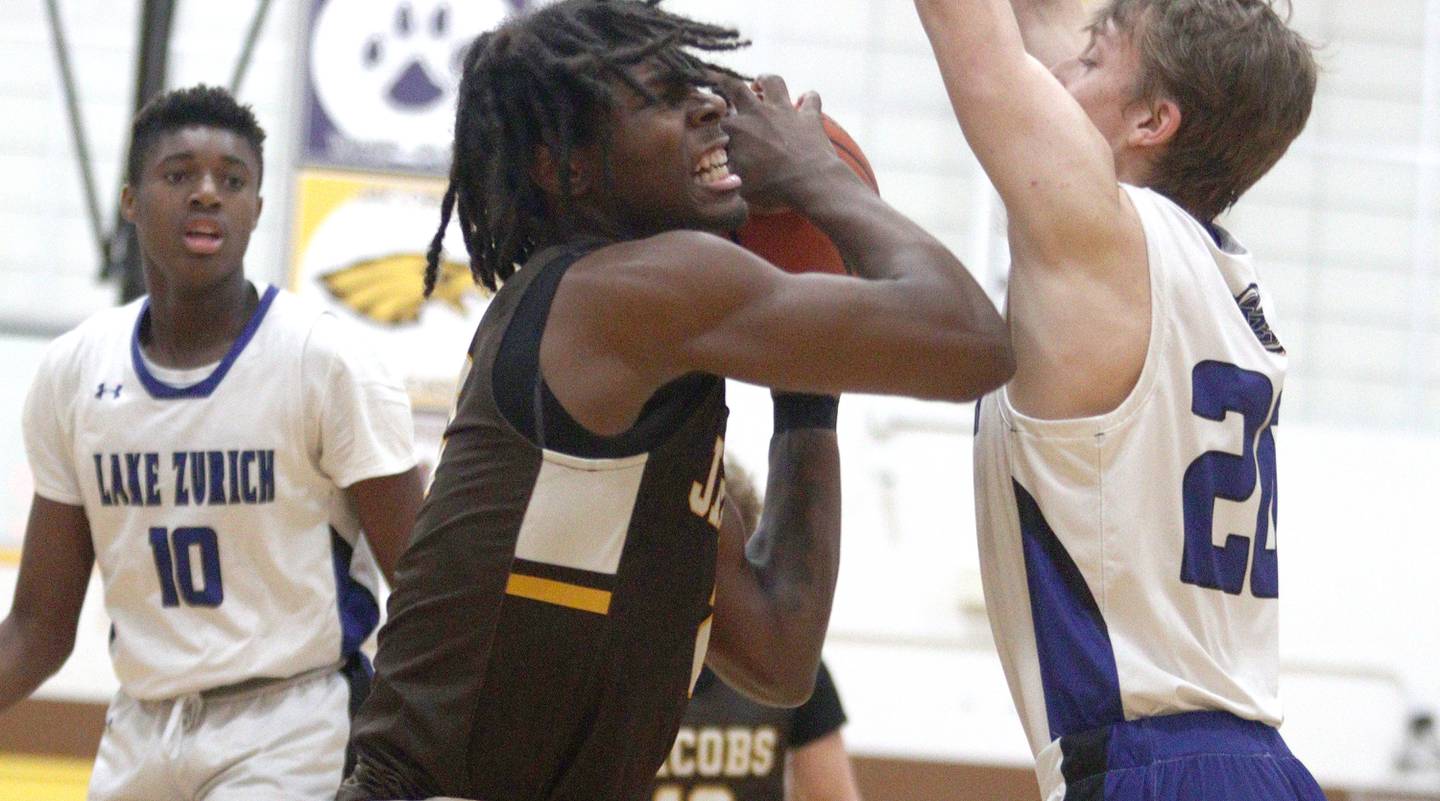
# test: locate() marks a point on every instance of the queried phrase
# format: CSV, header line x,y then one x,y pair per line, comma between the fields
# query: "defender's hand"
x,y
775,145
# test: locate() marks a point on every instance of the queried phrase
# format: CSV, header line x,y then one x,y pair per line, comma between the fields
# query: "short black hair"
x,y
209,106
547,78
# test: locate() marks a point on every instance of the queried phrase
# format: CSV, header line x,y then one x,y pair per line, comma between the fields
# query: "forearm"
x,y
880,243
28,656
1054,30
795,553
979,49
877,241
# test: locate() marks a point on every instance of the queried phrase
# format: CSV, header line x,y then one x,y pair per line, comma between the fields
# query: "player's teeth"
x,y
712,174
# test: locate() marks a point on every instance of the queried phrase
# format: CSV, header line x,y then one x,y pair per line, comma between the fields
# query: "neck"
x,y
558,231
195,328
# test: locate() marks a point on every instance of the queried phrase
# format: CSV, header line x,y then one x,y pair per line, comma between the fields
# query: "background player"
x,y
555,604
215,448
730,748
1137,431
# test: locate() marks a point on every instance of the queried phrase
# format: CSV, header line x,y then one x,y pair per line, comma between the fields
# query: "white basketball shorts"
x,y
280,741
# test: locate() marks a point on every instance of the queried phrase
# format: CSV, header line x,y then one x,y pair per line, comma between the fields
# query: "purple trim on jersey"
x,y
1193,756
359,612
1077,662
162,391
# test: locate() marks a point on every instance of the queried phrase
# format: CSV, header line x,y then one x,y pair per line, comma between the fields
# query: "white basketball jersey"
x,y
226,547
1129,559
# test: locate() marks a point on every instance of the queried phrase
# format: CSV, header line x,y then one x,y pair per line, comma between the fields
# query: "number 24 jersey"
x,y
1129,560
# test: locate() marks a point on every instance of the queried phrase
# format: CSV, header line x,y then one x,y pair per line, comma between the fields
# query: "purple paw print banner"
x,y
381,78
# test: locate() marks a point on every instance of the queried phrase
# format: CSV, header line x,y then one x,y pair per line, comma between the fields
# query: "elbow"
x,y
1001,361
51,647
786,687
770,672
41,646
989,364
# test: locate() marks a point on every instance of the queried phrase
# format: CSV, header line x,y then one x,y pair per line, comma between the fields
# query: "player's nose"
x,y
709,111
207,192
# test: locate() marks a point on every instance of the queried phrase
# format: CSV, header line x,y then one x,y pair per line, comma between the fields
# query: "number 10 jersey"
x,y
1129,559
226,545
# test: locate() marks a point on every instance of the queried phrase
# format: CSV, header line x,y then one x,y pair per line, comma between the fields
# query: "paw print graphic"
x,y
387,70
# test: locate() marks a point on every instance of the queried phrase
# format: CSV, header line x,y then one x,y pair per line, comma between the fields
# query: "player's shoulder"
x,y
668,265
330,344
666,251
311,327
1169,224
104,331
287,312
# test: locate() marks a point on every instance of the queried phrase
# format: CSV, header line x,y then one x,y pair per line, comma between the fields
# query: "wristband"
x,y
800,410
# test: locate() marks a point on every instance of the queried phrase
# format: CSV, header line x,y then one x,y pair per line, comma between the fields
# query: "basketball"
x,y
789,241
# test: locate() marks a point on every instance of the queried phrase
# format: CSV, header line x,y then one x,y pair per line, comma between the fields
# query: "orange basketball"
x,y
789,241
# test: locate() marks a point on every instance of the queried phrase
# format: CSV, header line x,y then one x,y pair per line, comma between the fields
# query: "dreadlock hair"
x,y
210,106
549,78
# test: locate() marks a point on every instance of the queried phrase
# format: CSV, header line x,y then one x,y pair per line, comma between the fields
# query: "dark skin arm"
x,y
387,507
774,591
631,317
37,636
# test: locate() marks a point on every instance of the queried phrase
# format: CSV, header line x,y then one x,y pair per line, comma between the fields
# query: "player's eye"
x,y
675,94
234,182
175,177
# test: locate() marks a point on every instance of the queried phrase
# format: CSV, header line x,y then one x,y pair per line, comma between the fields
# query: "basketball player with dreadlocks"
x,y
573,561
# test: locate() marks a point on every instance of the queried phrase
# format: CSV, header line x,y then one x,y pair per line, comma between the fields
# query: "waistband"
x,y
247,688
1137,743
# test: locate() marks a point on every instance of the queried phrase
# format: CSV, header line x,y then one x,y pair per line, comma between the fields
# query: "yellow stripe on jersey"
x,y
9,556
559,593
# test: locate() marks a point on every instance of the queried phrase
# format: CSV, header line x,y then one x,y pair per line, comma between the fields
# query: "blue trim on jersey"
x,y
1192,756
1077,662
359,612
162,391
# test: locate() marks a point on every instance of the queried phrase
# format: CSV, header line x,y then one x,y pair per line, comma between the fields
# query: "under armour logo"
x,y
114,393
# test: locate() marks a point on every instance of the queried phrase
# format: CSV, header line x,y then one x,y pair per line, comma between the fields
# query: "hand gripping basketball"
x,y
785,238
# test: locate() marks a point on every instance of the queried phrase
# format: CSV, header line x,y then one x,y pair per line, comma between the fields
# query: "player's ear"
x,y
1153,123
127,203
545,171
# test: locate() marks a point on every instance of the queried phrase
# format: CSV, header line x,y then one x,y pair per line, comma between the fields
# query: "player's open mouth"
x,y
712,171
203,237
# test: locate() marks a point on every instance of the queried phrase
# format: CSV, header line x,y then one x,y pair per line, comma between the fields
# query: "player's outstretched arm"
x,y
38,634
773,592
1054,30
387,506
1052,167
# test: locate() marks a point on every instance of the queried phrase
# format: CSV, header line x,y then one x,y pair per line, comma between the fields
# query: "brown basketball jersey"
x,y
553,609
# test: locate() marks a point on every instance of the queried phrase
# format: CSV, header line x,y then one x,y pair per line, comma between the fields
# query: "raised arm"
x,y
1053,168
773,592
1054,30
37,636
1057,146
